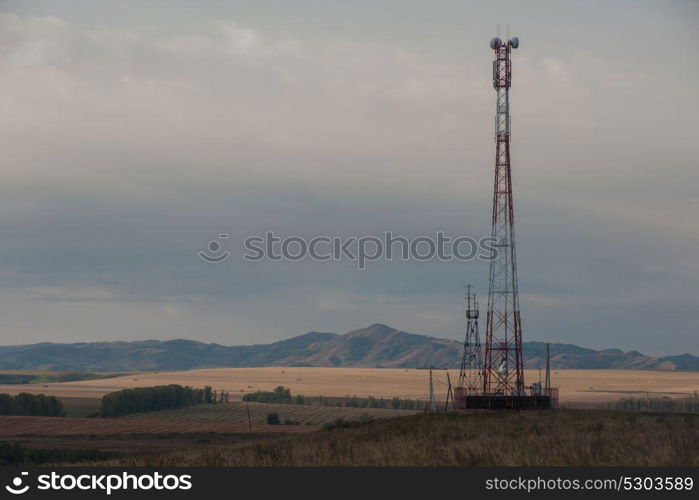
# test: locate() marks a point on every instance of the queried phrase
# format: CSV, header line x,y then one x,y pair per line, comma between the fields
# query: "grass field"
x,y
227,418
11,426
537,438
238,412
577,387
146,434
219,435
192,429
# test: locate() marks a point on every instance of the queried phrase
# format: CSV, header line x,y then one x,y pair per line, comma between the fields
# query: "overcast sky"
x,y
132,133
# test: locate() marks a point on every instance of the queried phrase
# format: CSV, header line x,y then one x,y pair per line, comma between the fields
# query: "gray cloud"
x,y
128,147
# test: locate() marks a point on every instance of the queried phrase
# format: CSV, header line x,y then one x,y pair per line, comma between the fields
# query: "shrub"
x,y
273,419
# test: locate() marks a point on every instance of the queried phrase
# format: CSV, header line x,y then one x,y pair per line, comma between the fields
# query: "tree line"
x,y
279,395
395,403
161,397
38,405
283,395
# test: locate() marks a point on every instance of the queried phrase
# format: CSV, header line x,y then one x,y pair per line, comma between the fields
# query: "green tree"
x,y
6,404
26,404
208,395
55,407
279,395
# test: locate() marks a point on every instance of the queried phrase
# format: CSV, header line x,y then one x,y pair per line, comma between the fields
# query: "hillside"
x,y
375,346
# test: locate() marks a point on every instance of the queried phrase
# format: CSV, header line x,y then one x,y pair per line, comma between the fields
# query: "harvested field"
x,y
192,429
237,412
577,387
11,426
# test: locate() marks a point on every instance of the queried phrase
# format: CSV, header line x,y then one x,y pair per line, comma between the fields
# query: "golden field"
x,y
577,387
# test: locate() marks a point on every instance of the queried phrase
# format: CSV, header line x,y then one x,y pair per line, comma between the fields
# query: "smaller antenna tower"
x,y
471,373
433,402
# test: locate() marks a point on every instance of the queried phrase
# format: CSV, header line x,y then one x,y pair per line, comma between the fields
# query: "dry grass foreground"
x,y
586,387
542,438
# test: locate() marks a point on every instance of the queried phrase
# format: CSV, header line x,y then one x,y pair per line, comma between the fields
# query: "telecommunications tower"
x,y
471,373
498,383
503,366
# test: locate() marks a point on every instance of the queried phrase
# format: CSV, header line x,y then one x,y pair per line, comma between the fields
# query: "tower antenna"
x,y
471,372
502,385
503,368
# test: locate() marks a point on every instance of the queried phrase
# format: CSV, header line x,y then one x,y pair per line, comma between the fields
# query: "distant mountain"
x,y
374,346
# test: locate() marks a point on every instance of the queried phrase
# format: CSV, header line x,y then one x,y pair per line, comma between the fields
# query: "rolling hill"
x,y
374,346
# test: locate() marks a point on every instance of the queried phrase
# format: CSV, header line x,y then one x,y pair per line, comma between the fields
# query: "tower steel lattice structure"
x,y
502,384
471,372
503,372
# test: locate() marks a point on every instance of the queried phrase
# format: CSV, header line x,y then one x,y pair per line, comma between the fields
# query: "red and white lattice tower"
x,y
503,372
471,372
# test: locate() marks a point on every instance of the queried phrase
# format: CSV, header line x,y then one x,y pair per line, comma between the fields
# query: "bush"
x,y
273,419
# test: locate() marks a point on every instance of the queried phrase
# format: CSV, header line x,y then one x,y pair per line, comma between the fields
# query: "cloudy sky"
x,y
133,133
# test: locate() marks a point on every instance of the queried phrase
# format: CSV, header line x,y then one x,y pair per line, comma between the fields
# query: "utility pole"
x,y
449,395
548,369
433,403
249,420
